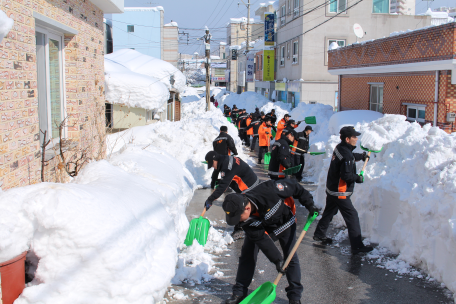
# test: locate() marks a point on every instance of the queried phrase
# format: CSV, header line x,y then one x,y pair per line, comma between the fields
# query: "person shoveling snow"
x,y
340,185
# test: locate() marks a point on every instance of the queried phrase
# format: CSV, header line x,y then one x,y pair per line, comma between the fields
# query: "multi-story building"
x,y
170,48
402,7
306,31
51,88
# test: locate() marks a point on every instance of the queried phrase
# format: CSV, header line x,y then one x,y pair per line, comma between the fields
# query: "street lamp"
x,y
196,59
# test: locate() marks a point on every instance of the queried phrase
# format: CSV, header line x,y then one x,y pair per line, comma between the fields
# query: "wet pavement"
x,y
329,274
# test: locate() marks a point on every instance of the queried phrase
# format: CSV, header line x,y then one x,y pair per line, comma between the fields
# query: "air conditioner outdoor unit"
x,y
451,117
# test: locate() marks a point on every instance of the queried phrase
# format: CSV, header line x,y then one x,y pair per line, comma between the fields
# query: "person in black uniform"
x,y
255,124
266,216
340,184
242,123
302,142
223,145
272,116
227,111
256,115
281,157
234,113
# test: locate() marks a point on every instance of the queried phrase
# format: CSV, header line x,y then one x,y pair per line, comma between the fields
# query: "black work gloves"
x,y
365,156
360,179
279,265
312,209
207,204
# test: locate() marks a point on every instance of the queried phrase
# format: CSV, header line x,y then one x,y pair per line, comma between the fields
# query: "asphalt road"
x,y
329,274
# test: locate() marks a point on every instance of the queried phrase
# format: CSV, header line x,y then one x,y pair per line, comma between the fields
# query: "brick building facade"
x,y
412,74
51,68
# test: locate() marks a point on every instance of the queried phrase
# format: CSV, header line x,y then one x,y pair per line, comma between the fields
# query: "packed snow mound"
x,y
6,24
150,66
406,202
251,100
351,118
132,89
188,140
319,136
109,236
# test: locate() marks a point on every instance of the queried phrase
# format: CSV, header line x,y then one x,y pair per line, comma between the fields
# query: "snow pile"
x,y
251,100
132,89
172,23
195,262
150,66
407,200
188,140
350,118
190,95
6,24
109,236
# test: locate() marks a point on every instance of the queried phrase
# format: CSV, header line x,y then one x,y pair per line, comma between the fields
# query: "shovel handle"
x,y
299,149
365,163
204,211
310,219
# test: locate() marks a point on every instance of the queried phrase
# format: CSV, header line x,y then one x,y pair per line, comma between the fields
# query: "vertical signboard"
x,y
269,37
249,67
268,65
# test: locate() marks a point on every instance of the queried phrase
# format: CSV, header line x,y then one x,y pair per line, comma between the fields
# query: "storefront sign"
x,y
281,86
268,65
294,86
269,38
218,79
250,66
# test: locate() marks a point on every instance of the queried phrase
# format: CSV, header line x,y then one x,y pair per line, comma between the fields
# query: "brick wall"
x,y
398,88
435,43
84,78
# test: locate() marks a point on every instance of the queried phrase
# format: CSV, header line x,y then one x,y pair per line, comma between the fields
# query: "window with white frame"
x,y
296,8
416,113
376,97
282,55
295,51
50,75
337,6
380,6
283,12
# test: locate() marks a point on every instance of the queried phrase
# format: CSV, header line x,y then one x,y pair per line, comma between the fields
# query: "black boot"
x,y
234,299
295,302
259,162
324,240
362,249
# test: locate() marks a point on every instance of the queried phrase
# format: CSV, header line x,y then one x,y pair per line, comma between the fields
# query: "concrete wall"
x,y
147,37
312,56
125,117
171,44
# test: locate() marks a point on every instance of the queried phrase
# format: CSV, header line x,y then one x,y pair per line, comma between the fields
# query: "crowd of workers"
x,y
265,211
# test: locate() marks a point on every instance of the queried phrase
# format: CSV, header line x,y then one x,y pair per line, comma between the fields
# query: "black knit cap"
x,y
234,205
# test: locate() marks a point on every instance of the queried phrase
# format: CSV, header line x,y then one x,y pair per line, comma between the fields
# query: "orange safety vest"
x,y
250,131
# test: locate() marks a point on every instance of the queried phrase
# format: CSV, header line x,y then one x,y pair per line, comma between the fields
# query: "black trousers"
x,y
299,159
350,215
261,151
254,140
247,139
247,263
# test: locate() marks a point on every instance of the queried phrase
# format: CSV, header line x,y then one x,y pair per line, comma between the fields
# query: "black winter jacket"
x,y
255,124
227,112
280,158
303,141
272,215
342,171
273,118
224,144
235,173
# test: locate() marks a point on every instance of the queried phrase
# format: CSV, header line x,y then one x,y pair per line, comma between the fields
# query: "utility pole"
x,y
207,45
248,25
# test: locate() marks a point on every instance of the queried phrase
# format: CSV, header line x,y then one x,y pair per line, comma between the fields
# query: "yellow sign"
x,y
280,86
268,65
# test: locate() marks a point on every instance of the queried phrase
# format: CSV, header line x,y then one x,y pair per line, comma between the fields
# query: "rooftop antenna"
x,y
358,31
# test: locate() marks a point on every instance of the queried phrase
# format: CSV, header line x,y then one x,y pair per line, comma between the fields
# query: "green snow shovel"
x,y
292,170
273,133
311,153
310,120
267,158
368,154
266,293
199,229
229,119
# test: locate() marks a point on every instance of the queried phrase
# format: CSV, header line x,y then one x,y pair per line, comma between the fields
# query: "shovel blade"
x,y
311,120
229,119
265,294
199,229
267,158
372,151
316,153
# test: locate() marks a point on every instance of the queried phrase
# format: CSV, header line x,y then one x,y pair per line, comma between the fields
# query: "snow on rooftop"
x,y
150,66
222,43
244,20
144,9
172,23
215,57
6,24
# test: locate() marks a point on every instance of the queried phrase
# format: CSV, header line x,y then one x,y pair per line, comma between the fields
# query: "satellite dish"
x,y
358,30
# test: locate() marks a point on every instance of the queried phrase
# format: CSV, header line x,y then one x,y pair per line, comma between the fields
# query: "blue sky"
x,y
193,15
